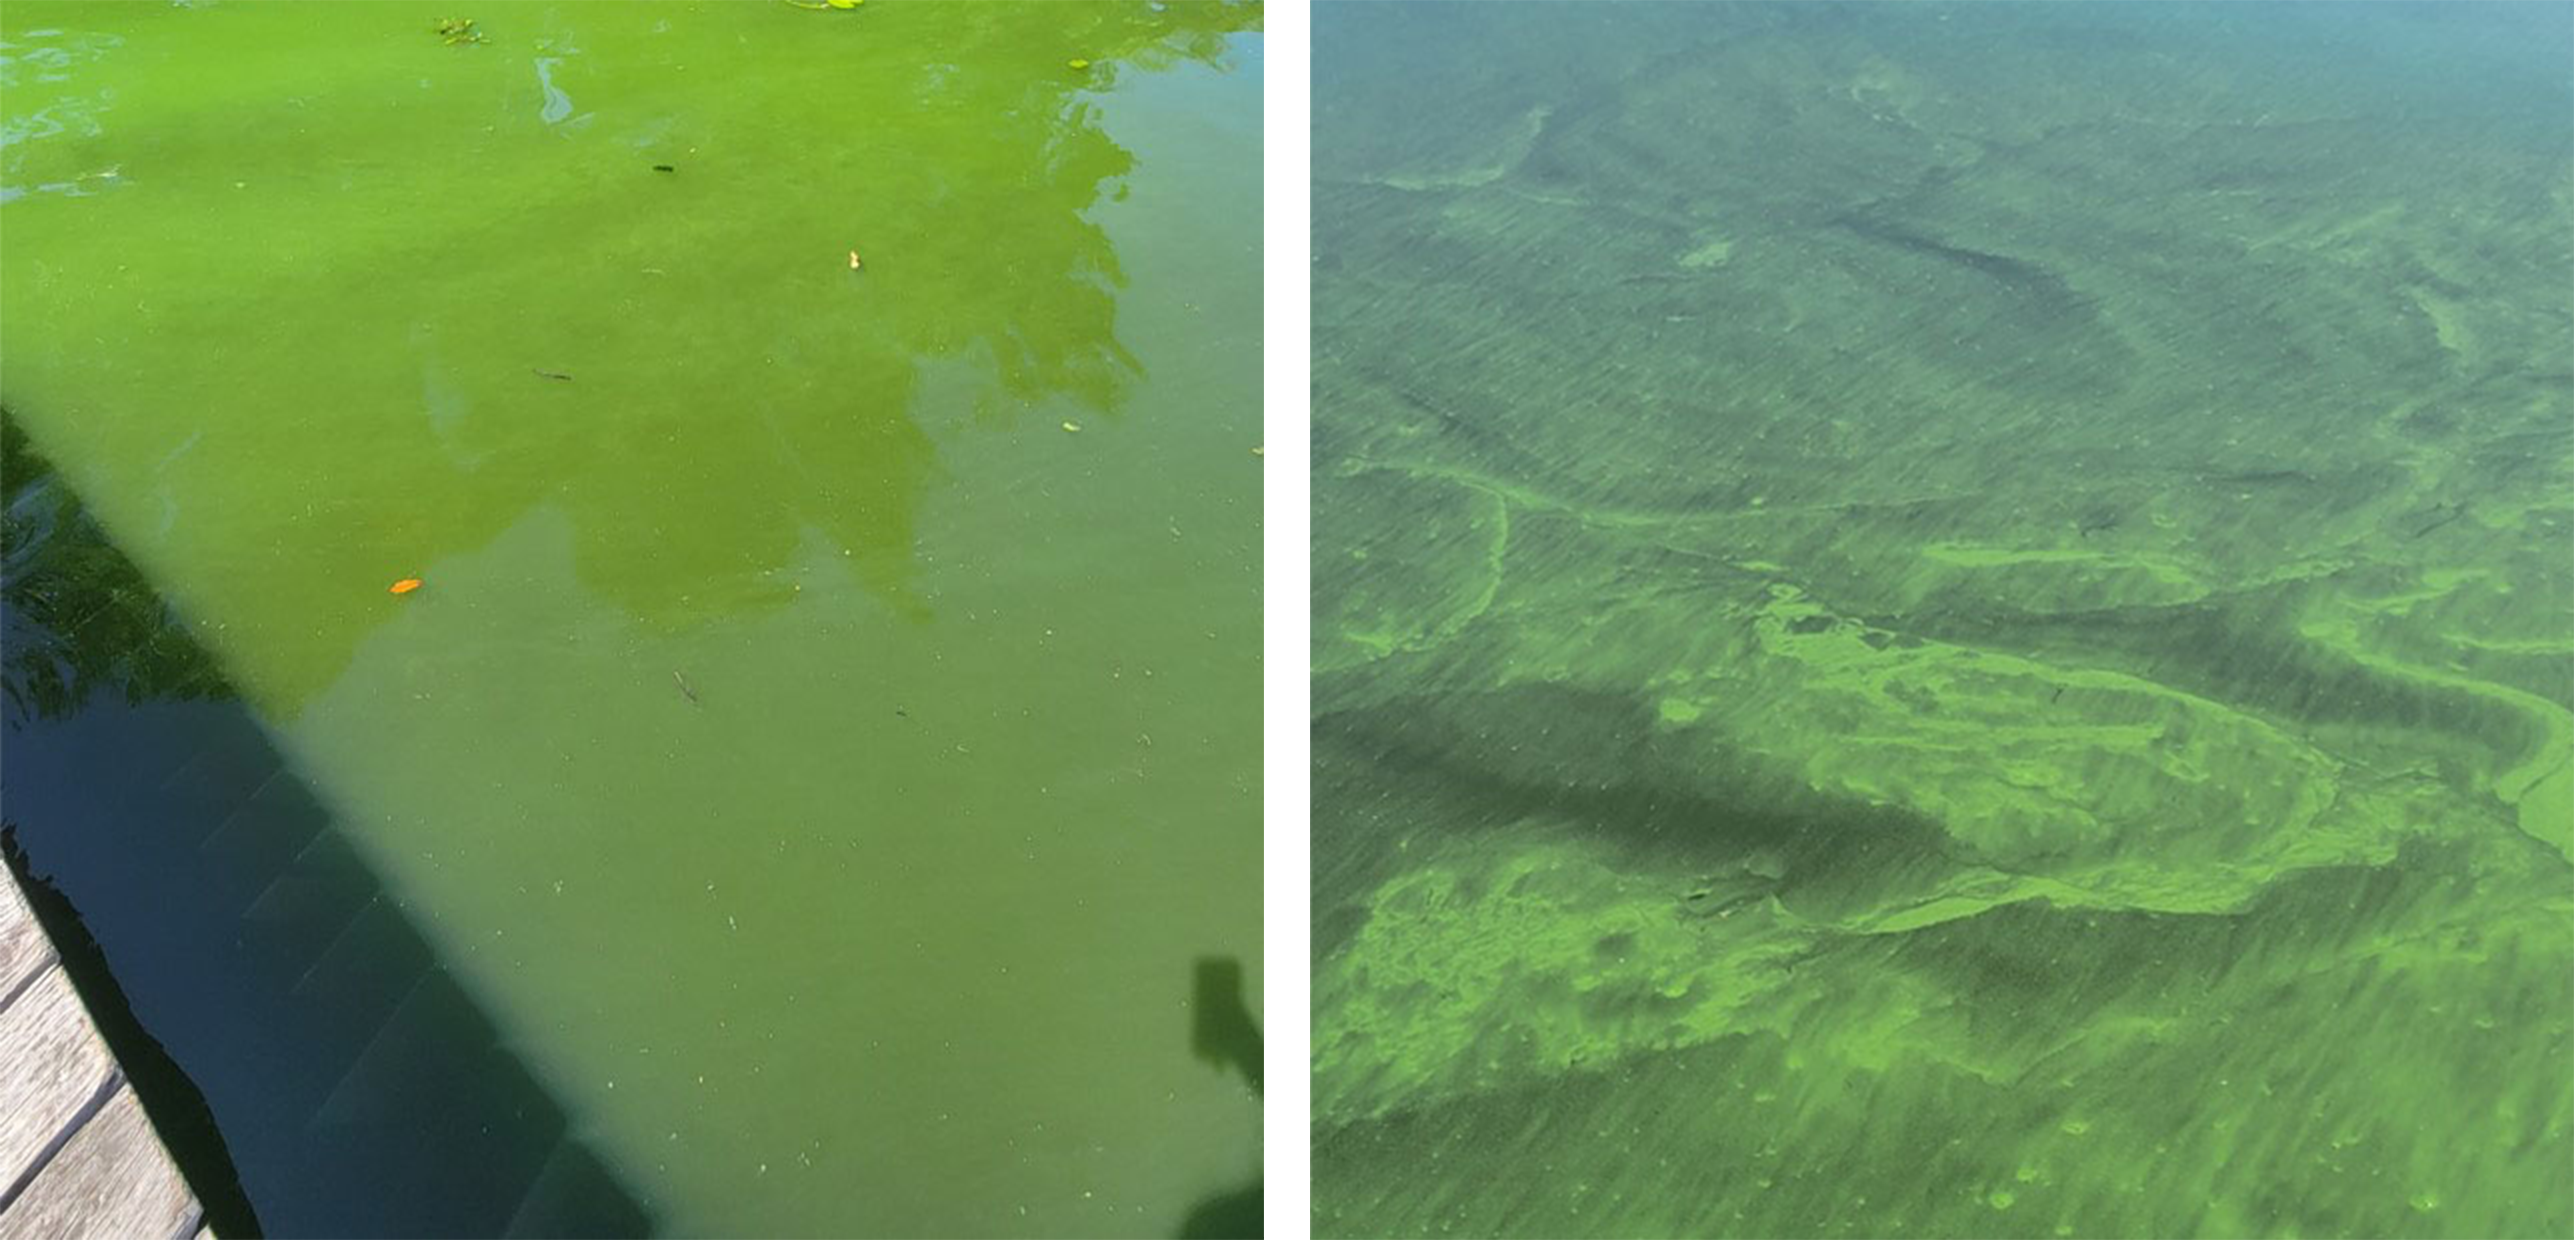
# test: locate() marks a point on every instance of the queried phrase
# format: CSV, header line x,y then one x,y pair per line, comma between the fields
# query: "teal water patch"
x,y
824,736
1942,621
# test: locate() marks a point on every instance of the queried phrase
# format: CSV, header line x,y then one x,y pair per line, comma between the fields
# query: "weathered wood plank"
x,y
77,1155
23,948
51,1064
112,1180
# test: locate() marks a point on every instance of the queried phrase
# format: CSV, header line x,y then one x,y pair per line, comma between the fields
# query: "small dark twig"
x,y
2454,513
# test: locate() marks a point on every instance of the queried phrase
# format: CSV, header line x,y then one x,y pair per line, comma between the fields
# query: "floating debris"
x,y
2455,511
1074,427
1077,64
551,374
458,31
404,586
664,168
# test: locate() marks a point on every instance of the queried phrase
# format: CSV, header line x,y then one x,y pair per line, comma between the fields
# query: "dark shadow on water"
x,y
1228,1216
313,1067
176,1106
1222,1033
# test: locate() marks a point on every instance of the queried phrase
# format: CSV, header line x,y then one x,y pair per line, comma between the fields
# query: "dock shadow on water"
x,y
311,1065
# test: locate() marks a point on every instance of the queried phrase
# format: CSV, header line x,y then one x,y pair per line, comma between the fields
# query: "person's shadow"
x,y
1222,1033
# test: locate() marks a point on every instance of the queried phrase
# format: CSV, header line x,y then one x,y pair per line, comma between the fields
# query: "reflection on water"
x,y
32,59
79,620
811,378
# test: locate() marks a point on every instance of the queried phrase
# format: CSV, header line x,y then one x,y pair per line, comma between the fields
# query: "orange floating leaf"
x,y
406,585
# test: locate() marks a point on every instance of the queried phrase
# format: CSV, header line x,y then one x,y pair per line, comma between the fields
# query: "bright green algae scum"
x,y
1944,620
827,736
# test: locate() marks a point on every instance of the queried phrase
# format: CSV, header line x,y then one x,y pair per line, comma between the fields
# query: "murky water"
x,y
824,740
1943,620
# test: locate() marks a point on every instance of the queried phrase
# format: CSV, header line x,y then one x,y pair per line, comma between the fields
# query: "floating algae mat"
x,y
836,783
1944,620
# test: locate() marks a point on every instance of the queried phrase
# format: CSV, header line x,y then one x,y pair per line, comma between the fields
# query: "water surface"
x,y
1943,620
824,740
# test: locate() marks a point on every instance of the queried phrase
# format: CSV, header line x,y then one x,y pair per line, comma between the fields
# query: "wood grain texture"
x,y
23,947
78,1157
111,1180
50,1065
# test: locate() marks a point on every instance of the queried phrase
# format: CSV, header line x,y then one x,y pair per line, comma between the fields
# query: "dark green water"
x,y
824,750
1944,620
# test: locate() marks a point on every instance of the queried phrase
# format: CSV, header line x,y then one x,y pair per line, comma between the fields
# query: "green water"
x,y
826,764
1944,620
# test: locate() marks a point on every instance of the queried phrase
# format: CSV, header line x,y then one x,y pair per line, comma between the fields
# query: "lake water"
x,y
1943,620
824,742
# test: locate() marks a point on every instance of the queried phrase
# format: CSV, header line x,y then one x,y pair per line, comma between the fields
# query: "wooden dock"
x,y
77,1156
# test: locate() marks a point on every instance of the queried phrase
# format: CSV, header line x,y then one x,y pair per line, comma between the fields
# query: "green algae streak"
x,y
1943,620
